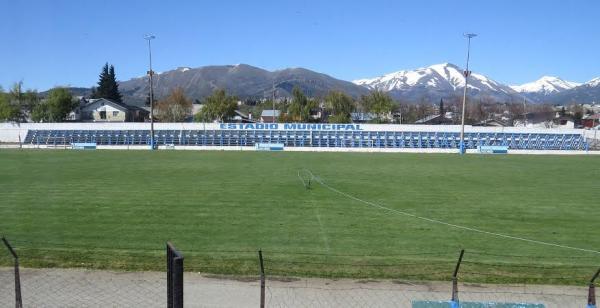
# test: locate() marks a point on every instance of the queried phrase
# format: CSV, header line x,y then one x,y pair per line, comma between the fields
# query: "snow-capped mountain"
x,y
438,81
588,92
593,83
546,85
541,89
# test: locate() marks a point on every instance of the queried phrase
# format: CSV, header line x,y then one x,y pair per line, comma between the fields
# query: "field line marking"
x,y
321,229
372,204
323,234
301,179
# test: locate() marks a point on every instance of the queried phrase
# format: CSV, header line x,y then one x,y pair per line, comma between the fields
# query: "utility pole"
x,y
469,36
524,113
151,74
273,102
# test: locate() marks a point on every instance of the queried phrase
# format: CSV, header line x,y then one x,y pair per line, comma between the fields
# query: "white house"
x,y
104,110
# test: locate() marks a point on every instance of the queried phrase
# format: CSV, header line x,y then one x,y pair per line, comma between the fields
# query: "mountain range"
x,y
243,81
437,81
586,93
427,84
447,80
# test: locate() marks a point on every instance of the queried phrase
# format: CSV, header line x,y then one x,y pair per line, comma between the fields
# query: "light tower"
x,y
466,73
150,37
273,102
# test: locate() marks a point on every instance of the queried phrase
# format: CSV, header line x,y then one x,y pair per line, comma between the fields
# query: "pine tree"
x,y
113,86
107,85
100,90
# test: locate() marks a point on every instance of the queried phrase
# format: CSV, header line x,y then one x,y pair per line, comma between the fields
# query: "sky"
x,y
65,43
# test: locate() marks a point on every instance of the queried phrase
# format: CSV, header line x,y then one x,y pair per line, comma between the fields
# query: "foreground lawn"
x,y
116,209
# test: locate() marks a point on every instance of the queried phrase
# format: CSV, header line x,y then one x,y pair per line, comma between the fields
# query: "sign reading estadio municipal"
x,y
291,126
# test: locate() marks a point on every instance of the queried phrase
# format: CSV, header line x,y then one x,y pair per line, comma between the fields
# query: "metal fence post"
x,y
592,291
178,282
262,280
174,277
18,298
454,302
169,277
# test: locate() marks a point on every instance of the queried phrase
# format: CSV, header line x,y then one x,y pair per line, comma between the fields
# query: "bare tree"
x,y
174,108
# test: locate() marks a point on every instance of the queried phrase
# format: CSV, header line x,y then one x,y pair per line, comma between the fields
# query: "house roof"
x,y
118,105
270,113
241,114
428,118
489,122
136,108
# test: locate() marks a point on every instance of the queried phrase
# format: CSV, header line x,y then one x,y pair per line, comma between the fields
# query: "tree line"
x,y
335,107
17,105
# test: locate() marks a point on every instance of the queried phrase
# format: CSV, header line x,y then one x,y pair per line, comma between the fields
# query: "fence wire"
x,y
209,281
374,294
84,288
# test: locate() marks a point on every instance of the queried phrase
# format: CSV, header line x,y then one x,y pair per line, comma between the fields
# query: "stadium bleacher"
x,y
312,138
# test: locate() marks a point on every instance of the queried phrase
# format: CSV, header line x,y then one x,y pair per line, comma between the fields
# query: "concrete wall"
x,y
10,132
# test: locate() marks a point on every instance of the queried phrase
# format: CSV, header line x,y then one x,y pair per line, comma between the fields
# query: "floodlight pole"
x,y
273,102
466,73
151,73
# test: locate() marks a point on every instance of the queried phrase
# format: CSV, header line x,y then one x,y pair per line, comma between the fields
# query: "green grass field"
x,y
116,209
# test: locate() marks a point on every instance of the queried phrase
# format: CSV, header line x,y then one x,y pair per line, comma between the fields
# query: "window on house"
x,y
115,113
103,115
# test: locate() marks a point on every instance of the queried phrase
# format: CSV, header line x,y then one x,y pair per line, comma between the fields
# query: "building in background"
x,y
590,120
492,122
104,110
269,116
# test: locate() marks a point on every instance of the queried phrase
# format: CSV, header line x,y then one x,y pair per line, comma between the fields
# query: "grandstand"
x,y
388,136
302,136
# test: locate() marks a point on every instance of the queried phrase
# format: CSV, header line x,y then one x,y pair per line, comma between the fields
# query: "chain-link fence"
x,y
405,292
283,288
60,287
85,288
386,294
233,279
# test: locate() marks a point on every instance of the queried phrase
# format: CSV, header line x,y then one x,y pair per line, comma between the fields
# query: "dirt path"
x,y
85,288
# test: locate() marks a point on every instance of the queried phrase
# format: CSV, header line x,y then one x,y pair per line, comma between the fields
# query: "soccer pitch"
x,y
116,209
